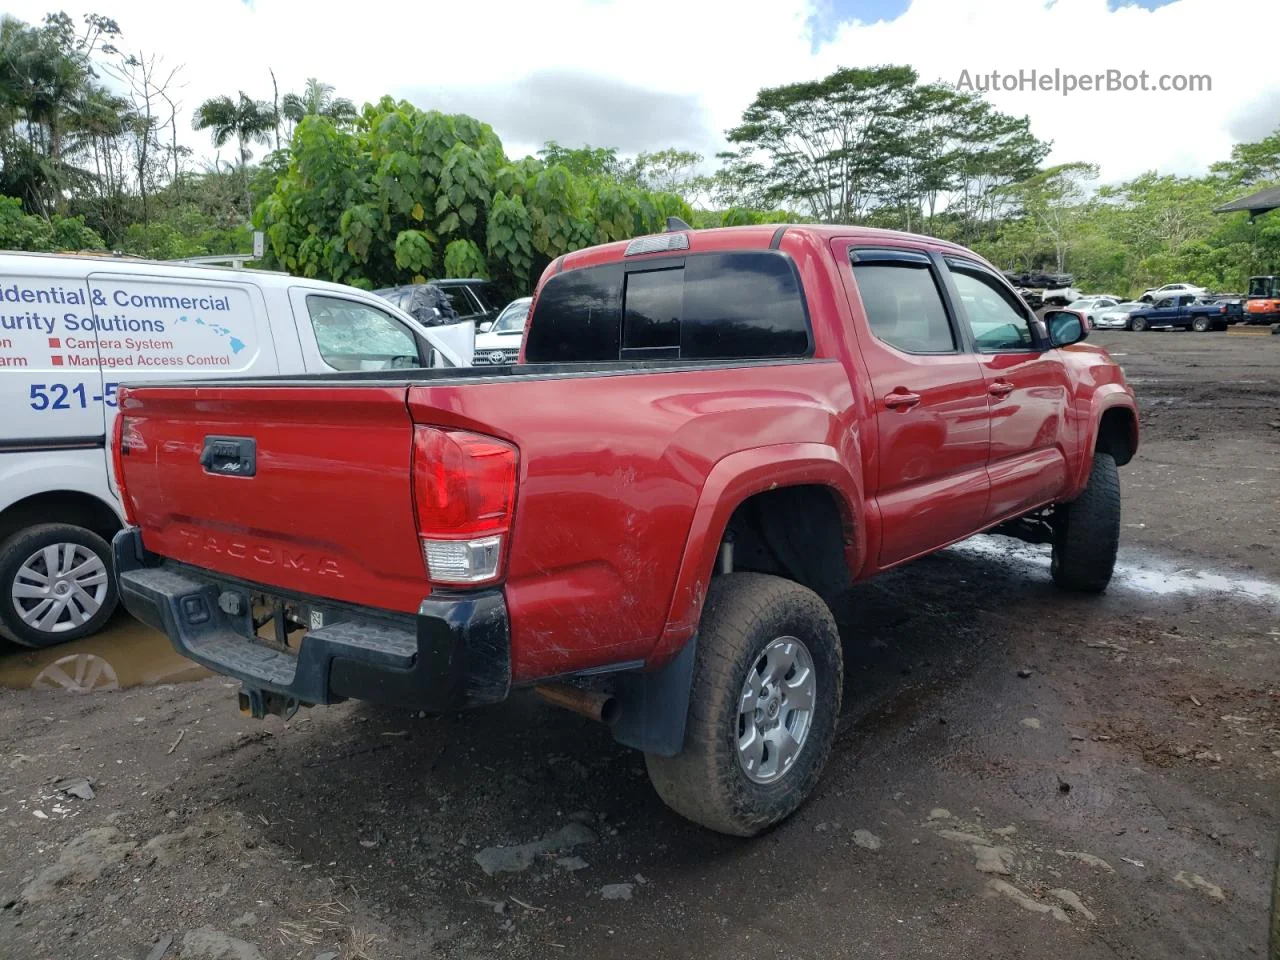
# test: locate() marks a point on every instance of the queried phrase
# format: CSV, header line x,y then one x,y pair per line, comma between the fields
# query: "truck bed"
x,y
612,460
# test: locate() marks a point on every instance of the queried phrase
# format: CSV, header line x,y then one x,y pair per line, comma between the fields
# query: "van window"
x,y
715,306
356,336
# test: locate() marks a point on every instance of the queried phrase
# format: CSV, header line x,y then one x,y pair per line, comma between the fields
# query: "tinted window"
x,y
904,307
355,336
722,306
577,318
742,306
997,321
651,310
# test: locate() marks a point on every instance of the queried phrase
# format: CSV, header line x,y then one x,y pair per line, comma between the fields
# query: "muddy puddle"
x,y
1136,571
125,654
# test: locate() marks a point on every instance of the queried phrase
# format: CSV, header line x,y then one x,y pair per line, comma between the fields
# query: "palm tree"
x,y
246,120
317,100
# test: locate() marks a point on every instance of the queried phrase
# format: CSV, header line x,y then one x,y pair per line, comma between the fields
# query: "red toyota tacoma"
x,y
709,435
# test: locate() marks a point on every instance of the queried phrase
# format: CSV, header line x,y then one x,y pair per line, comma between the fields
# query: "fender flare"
x,y
1107,397
731,481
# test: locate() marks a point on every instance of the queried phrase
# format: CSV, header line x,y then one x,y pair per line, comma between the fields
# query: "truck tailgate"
x,y
327,511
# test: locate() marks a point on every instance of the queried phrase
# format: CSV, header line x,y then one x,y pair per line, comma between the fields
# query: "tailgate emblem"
x,y
230,456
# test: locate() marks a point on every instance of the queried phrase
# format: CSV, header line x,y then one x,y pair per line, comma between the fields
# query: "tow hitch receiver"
x,y
258,703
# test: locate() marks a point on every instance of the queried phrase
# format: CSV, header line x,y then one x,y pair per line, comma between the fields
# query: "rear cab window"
x,y
710,306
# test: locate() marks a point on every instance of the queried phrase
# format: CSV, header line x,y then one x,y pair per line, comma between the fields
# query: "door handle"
x,y
1001,388
901,400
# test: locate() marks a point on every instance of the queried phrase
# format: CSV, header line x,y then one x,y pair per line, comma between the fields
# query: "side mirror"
x,y
1065,327
486,327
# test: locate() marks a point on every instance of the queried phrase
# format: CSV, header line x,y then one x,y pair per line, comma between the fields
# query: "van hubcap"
x,y
775,710
60,587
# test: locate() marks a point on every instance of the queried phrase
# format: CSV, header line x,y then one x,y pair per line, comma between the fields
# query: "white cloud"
x,y
721,51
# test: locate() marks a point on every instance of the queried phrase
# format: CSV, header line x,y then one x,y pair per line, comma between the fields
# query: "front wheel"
x,y
1087,531
1138,324
55,584
762,709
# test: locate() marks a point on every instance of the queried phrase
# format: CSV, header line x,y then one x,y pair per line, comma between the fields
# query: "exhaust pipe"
x,y
589,703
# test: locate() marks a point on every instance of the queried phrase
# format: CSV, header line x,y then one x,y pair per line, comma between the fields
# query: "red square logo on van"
x,y
55,342
57,361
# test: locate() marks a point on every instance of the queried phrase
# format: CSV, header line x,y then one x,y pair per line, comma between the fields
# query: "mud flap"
x,y
654,706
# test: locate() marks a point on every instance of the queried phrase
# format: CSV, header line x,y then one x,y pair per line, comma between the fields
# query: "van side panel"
x,y
50,379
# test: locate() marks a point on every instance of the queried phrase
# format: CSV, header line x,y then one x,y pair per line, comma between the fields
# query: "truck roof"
x,y
760,236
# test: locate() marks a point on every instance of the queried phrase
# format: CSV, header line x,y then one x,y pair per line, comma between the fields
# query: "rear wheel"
x,y
1138,324
1087,531
1201,324
55,584
762,708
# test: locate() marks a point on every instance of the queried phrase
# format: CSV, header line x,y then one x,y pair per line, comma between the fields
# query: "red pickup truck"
x,y
709,434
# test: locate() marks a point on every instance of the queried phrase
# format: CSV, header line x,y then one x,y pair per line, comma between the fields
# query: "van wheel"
x,y
762,708
1138,324
1087,531
55,584
1200,324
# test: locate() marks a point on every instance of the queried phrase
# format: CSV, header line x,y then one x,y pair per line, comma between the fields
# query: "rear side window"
x,y
721,306
904,306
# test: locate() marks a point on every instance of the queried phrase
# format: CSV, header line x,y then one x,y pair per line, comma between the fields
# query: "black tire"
x,y
1087,531
25,544
1201,324
706,783
1138,324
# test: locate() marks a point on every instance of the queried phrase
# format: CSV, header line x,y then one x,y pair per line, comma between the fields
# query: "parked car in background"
x,y
1183,312
1034,298
430,306
713,434
1172,290
1089,308
73,329
499,342
1117,317
473,299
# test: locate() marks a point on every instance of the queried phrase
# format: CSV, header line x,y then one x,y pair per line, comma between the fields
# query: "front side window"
x,y
998,324
904,306
356,336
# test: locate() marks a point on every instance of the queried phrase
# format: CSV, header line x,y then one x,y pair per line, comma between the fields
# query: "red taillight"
x,y
117,462
464,488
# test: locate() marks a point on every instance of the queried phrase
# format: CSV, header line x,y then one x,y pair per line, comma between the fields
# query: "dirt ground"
x,y
1018,772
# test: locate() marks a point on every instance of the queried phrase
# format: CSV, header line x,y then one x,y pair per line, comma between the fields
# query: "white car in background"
x,y
1172,290
1090,308
1117,317
498,343
1061,296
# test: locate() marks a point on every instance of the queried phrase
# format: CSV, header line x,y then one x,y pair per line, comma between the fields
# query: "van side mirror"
x,y
486,327
1065,327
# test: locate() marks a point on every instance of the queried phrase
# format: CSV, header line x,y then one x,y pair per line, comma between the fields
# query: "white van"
x,y
73,328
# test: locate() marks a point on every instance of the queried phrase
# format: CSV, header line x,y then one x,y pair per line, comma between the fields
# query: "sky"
x,y
647,74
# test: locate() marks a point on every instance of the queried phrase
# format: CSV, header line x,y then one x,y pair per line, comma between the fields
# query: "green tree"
x,y
1056,200
245,120
823,145
317,100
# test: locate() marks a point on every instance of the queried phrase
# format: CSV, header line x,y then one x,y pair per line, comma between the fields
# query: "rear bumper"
x,y
453,654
